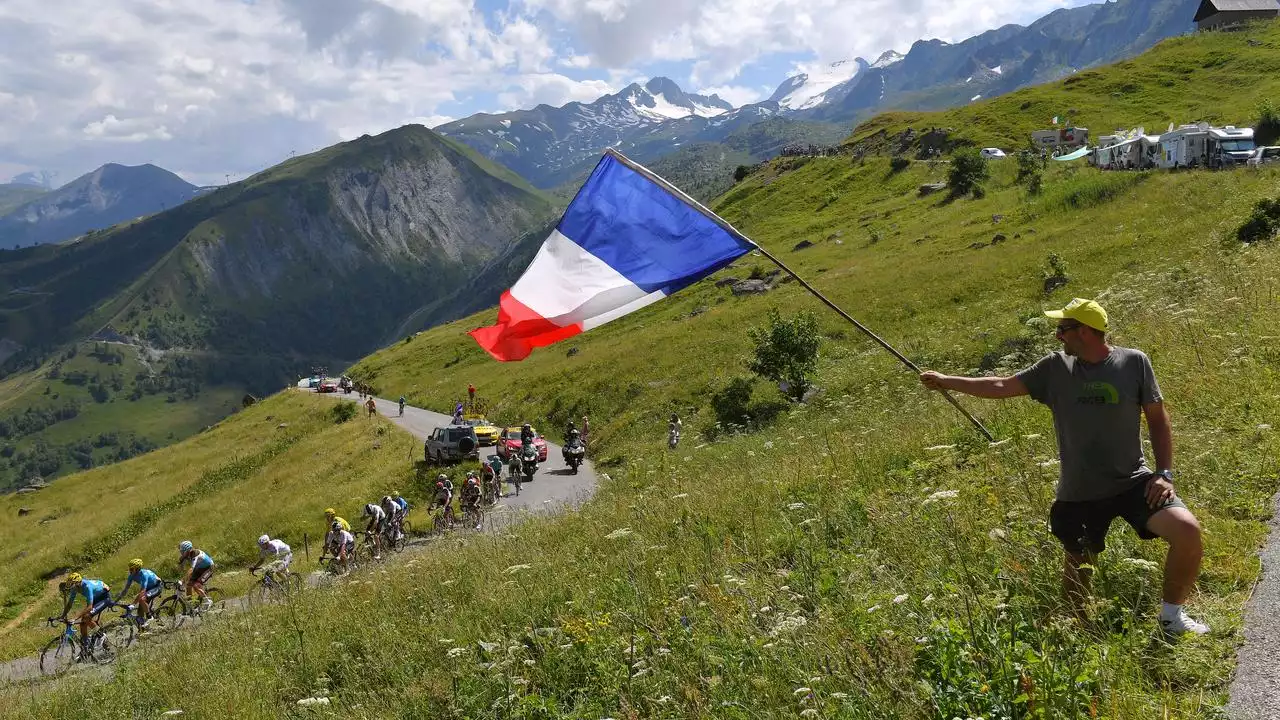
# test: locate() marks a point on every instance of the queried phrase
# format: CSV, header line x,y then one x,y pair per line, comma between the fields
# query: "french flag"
x,y
627,240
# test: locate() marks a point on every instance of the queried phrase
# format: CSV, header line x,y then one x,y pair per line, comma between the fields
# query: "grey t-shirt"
x,y
1097,413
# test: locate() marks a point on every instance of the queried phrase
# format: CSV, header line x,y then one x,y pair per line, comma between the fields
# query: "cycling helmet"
x,y
386,500
442,477
135,564
330,512
336,525
264,539
185,546
526,426
74,578
395,493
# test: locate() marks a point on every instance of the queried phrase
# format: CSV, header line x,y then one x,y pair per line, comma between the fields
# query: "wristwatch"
x,y
1166,473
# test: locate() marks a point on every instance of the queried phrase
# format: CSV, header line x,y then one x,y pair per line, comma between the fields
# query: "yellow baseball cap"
x,y
1086,312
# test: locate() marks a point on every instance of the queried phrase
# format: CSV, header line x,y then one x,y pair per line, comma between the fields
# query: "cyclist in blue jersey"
x,y
97,597
149,588
199,570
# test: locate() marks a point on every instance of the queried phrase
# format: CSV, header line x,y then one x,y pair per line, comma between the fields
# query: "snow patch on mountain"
x,y
809,89
889,57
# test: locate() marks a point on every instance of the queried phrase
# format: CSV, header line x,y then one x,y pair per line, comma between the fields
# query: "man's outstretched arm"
x,y
983,387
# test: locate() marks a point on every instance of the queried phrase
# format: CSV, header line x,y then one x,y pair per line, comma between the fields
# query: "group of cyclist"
x,y
195,565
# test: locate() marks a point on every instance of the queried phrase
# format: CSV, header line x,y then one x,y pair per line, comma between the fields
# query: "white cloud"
x,y
231,86
738,95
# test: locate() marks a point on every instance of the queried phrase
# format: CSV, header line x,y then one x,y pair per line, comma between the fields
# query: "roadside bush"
x,y
1268,127
1263,224
1031,163
969,170
1055,275
343,412
899,163
741,173
786,351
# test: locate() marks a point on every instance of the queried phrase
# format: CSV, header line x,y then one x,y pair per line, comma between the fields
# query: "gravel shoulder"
x,y
1255,692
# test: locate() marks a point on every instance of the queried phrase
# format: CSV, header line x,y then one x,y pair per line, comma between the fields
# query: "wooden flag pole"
x,y
659,180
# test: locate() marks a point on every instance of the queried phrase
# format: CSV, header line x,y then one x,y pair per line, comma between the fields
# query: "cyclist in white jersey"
x,y
277,549
377,522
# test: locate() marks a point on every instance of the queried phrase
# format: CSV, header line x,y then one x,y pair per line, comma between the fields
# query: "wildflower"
x,y
751,453
901,599
1264,426
1032,436
171,712
1140,563
681,495
998,443
809,712
941,447
766,609
941,495
1048,463
455,652
802,691
447,583
789,625
796,506
839,695
664,700
768,445
996,534
873,608
517,568
619,533
305,702
529,663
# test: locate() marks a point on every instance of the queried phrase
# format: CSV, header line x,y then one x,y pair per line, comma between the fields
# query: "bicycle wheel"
x,y
110,640
59,654
122,632
171,612
406,527
295,584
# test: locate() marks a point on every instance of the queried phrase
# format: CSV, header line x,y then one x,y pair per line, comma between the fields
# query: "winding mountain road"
x,y
554,488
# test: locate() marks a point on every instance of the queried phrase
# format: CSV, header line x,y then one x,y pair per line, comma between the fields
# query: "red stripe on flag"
x,y
519,331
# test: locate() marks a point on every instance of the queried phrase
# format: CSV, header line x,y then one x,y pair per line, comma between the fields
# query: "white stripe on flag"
x,y
568,285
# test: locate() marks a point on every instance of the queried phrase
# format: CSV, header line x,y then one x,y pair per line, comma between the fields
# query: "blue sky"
x,y
233,86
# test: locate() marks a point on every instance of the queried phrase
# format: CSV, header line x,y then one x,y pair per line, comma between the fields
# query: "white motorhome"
x,y
1230,146
1184,147
1126,150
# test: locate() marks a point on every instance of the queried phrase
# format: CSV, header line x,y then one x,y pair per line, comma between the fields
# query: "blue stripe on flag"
x,y
651,237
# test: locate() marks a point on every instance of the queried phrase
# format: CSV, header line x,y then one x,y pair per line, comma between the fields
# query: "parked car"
x,y
455,442
1264,155
487,432
510,442
328,385
993,153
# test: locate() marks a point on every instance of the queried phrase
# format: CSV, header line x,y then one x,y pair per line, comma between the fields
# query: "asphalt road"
x,y
554,488
1255,692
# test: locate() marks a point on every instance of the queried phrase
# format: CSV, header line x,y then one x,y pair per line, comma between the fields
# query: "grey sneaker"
x,y
1183,624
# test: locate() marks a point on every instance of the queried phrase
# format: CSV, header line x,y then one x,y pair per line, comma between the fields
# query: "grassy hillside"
x,y
865,555
270,468
1216,77
13,195
98,403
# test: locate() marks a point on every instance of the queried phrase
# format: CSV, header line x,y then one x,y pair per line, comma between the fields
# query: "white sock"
x,y
1169,611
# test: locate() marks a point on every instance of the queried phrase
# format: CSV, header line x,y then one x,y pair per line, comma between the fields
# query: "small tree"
x,y
787,351
732,403
968,171
741,173
1031,163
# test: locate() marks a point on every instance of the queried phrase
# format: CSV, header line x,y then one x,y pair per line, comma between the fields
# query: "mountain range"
x,y
554,146
109,195
313,260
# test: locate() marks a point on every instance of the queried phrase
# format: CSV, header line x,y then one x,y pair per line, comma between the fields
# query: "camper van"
x,y
1230,146
1184,147
1062,140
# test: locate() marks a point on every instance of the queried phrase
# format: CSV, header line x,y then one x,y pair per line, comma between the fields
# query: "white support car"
x,y
1264,155
993,153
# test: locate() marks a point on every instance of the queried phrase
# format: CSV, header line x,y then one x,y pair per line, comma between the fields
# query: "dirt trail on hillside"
x,y
50,590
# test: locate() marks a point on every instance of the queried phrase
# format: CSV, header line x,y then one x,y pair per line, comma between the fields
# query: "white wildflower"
x,y
796,506
901,599
681,495
940,447
941,495
873,608
517,568
1048,463
809,712
447,583
998,443
530,663
168,713
1140,563
768,445
996,534
789,625
766,609
802,691
1032,436
306,702
1264,426
456,652
664,700
839,695
618,534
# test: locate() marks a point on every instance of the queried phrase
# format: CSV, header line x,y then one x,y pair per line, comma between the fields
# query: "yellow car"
x,y
486,431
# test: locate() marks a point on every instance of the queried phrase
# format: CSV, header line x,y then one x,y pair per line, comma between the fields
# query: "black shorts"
x,y
200,576
1082,526
154,592
101,605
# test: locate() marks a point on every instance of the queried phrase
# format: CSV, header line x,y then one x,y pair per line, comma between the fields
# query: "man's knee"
x,y
1177,525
